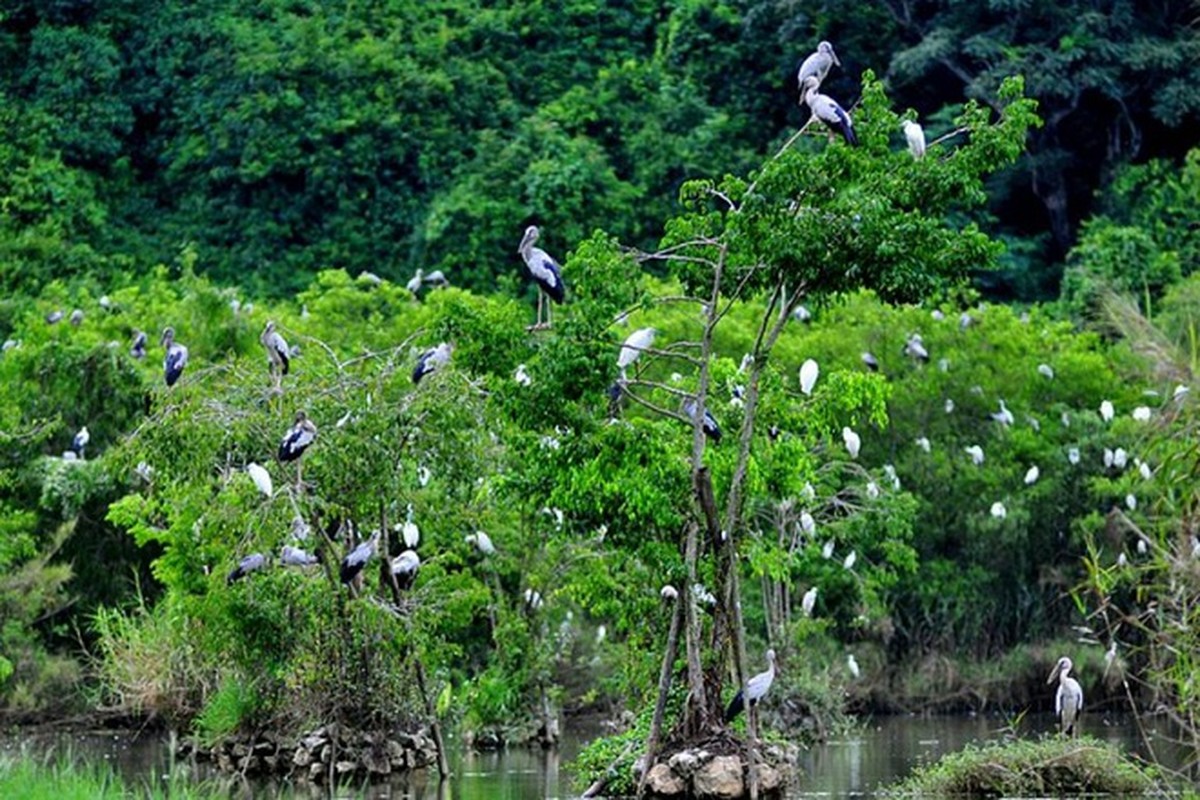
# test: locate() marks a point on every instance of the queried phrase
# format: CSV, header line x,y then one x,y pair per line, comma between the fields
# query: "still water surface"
x,y
881,752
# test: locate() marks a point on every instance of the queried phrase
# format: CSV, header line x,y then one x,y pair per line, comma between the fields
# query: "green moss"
x,y
1023,768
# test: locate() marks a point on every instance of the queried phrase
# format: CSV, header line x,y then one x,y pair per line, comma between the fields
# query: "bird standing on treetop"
x,y
175,359
404,568
277,351
756,687
826,109
545,271
298,438
432,360
915,136
817,65
1068,702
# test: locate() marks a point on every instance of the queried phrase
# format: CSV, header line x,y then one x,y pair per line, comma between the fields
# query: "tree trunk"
x,y
664,688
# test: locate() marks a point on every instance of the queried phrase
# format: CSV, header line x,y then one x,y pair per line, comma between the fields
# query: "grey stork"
x,y
545,272
432,360
817,65
1068,701
251,563
827,110
176,357
756,687
297,439
278,353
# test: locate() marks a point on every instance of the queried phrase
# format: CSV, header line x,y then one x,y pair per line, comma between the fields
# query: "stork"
x,y
817,65
404,569
545,271
251,563
357,558
711,429
1068,701
756,688
914,134
827,110
870,361
293,556
432,360
278,354
176,357
852,441
482,542
297,439
80,441
138,348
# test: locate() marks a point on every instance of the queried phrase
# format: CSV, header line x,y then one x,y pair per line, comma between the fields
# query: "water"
x,y
883,751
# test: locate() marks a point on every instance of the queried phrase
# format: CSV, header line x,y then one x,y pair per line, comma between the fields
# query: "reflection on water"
x,y
883,751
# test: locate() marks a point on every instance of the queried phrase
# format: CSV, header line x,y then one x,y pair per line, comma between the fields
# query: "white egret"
x,y
976,454
827,549
852,665
852,441
1141,414
482,542
261,478
914,134
848,561
1031,475
410,532
1106,411
1045,370
807,523
668,593
521,376
809,371
923,443
809,601
634,344
998,510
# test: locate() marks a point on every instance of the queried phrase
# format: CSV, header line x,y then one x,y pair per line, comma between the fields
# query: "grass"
x,y
1051,766
27,778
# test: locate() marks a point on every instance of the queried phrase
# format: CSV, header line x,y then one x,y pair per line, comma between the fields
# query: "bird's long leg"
x,y
299,477
538,324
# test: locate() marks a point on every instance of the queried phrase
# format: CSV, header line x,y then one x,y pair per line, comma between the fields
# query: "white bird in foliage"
x,y
404,569
1031,475
176,357
293,556
949,406
521,376
872,490
914,347
251,563
1106,411
1120,458
827,550
809,601
414,283
545,272
634,344
1045,370
482,542
976,454
848,561
1145,471
756,688
1003,416
998,510
1073,455
1131,502
261,478
914,134
808,376
1108,458
1141,414
278,353
410,532
801,314
533,599
870,361
432,360
827,110
807,523
852,441
852,665
77,317
668,593
817,65
924,444
1068,701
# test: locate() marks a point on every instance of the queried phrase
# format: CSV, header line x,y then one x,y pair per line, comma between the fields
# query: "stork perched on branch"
x,y
545,271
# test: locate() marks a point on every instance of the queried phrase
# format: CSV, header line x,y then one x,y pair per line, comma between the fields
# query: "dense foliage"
x,y
281,138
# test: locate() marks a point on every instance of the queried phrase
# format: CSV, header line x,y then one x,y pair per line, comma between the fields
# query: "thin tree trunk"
x,y
697,716
664,688
435,728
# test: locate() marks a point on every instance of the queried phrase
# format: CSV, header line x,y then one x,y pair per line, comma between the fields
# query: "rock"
x,y
395,754
663,782
684,763
719,779
302,757
316,771
314,740
326,754
769,778
345,767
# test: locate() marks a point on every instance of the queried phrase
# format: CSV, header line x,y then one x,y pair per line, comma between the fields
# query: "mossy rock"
x,y
1026,768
